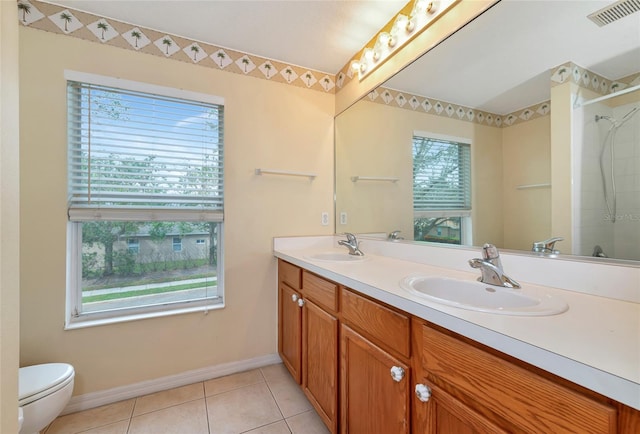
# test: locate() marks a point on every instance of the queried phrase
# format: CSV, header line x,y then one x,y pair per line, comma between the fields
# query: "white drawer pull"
x,y
300,302
397,373
423,392
294,297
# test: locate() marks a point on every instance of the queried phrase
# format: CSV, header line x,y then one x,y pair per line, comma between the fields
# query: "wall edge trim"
x,y
109,396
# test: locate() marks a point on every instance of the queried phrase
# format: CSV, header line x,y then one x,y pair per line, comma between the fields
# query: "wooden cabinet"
x,y
320,347
369,368
290,318
308,337
375,376
375,388
474,390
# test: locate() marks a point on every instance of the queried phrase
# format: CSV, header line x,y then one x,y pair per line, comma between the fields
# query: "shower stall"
x,y
606,176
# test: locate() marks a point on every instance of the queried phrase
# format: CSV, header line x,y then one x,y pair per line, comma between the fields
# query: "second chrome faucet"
x,y
491,268
352,244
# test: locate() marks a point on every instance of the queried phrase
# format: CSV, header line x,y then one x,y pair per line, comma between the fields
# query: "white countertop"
x,y
595,344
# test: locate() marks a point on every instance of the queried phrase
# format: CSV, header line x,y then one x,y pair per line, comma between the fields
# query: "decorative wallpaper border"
x,y
559,75
57,19
423,104
590,80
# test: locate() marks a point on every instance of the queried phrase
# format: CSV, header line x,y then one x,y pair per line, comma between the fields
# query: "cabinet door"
x,y
375,388
320,362
290,330
437,412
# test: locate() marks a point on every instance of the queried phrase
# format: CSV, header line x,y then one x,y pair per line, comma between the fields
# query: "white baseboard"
x,y
109,396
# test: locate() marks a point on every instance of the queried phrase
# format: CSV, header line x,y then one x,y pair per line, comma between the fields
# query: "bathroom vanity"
x,y
373,358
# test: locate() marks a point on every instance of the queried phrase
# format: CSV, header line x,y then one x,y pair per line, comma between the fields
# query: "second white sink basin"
x,y
473,295
335,257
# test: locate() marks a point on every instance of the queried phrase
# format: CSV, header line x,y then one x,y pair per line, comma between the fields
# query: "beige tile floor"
x,y
261,401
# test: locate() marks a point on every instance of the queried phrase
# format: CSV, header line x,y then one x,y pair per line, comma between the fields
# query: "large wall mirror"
x,y
543,100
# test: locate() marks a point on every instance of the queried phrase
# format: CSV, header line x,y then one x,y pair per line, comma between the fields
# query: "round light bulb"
x,y
355,65
410,26
368,54
431,8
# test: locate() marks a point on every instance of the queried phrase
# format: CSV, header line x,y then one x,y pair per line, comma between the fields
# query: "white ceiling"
x,y
317,34
501,62
498,63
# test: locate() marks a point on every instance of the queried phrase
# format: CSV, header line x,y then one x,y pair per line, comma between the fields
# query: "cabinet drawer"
x,y
528,401
290,274
385,326
322,291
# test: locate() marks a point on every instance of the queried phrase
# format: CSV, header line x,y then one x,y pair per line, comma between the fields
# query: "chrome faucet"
x,y
352,244
546,247
395,236
491,268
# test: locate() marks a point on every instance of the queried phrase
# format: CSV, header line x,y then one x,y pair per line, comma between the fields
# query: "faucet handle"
x,y
350,237
546,246
489,252
395,235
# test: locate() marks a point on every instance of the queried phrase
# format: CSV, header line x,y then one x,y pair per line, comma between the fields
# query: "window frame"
x,y
74,229
466,223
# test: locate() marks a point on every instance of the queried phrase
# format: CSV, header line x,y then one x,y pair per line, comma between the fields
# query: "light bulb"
x,y
355,65
368,54
431,8
384,38
392,41
410,26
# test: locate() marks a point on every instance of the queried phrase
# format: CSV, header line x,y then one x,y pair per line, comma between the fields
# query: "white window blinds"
x,y
142,154
441,176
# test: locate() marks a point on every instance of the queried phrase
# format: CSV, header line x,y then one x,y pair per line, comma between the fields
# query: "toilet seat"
x,y
38,381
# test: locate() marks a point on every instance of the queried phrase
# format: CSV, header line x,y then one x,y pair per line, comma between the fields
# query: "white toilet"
x,y
44,391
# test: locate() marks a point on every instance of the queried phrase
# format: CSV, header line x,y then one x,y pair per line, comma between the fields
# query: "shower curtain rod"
x,y
611,95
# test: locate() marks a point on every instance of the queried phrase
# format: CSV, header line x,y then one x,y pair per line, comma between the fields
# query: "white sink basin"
x,y
473,295
335,257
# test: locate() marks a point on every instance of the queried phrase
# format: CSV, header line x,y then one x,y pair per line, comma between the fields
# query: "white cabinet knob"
x,y
300,302
397,373
423,392
294,297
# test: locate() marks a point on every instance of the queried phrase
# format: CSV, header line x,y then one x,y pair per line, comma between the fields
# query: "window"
x,y
133,245
441,189
177,244
145,176
201,241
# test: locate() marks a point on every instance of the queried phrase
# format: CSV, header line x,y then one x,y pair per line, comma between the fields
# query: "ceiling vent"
x,y
615,11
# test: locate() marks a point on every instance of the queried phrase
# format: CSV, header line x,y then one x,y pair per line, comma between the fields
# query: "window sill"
x,y
72,324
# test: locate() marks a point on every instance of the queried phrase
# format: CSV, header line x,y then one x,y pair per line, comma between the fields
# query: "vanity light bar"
x,y
614,12
404,29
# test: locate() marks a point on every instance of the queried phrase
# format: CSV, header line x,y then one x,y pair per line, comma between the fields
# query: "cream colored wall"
x,y
9,219
527,160
374,140
383,134
267,125
562,98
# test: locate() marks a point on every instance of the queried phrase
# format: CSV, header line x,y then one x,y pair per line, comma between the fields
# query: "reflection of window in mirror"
x,y
441,189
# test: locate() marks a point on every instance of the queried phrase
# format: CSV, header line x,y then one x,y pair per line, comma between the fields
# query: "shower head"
x,y
617,123
608,118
